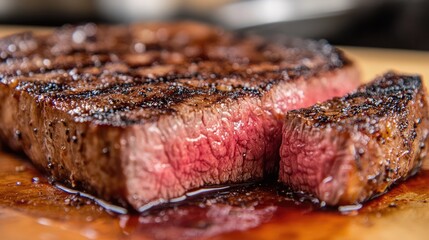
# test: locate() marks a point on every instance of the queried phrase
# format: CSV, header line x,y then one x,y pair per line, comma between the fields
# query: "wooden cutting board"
x,y
30,208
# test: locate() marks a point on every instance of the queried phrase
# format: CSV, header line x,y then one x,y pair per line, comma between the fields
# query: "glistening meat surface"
x,y
350,149
142,113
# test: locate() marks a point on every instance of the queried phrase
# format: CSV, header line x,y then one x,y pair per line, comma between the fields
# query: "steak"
x,y
144,113
350,149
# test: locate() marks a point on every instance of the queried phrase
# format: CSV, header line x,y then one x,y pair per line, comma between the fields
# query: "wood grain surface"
x,y
31,208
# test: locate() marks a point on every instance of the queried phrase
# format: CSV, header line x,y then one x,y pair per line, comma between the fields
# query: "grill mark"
x,y
389,95
216,78
55,90
150,82
164,101
87,61
44,50
338,62
75,51
113,88
160,103
298,71
39,88
164,104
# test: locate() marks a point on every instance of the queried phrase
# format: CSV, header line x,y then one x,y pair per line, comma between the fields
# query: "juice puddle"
x,y
30,207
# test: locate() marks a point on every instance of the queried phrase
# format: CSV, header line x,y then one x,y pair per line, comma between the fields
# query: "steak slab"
x,y
347,150
142,114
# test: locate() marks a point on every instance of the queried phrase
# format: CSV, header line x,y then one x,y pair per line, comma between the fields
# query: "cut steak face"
x,y
349,149
144,113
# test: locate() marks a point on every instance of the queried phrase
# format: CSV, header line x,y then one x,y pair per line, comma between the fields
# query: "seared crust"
x,y
126,75
365,108
370,139
144,113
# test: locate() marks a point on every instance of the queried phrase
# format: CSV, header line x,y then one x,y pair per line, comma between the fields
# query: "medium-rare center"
x,y
143,113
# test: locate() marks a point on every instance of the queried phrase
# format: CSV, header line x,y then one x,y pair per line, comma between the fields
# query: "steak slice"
x,y
141,114
350,149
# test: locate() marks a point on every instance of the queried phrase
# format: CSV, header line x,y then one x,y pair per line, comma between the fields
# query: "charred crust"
x,y
386,97
384,126
106,74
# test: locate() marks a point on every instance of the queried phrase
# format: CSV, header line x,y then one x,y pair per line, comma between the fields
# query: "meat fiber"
x,y
142,114
350,149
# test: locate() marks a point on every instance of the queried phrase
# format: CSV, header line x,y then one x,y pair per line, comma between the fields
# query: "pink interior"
x,y
234,142
311,161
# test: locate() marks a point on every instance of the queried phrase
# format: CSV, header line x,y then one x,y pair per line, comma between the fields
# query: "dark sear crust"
x,y
365,108
98,73
144,113
360,144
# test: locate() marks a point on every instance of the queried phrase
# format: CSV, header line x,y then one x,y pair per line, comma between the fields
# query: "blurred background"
x,y
373,23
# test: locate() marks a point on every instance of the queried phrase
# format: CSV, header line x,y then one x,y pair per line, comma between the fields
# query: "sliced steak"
x,y
144,113
349,149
